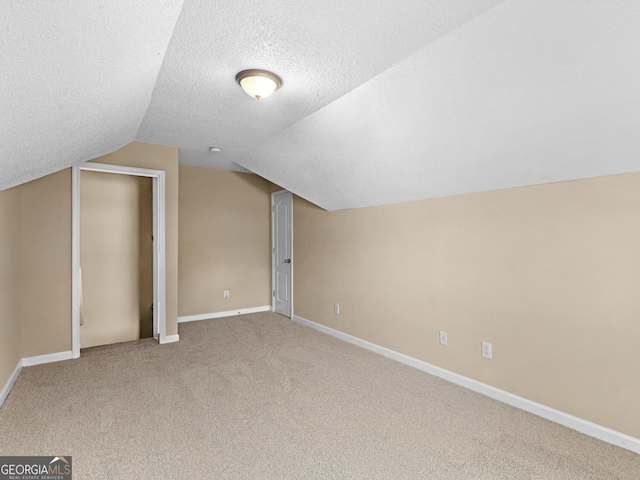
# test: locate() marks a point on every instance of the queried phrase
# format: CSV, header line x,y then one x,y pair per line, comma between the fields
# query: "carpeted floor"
x,y
261,397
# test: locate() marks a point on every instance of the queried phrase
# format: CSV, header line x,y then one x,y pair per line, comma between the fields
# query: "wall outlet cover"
x,y
486,350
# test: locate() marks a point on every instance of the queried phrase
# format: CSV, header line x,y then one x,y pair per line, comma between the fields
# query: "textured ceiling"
x,y
321,50
381,101
530,92
76,78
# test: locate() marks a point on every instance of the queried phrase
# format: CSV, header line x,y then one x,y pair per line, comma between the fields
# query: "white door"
x,y
282,207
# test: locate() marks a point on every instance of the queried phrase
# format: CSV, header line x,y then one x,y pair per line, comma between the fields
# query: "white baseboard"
x,y
12,379
170,339
228,313
583,426
30,362
49,358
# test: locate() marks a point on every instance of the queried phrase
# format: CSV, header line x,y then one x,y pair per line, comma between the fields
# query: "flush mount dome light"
x,y
258,83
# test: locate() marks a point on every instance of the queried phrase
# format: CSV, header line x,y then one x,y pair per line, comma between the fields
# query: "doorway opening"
x,y
282,252
116,258
158,312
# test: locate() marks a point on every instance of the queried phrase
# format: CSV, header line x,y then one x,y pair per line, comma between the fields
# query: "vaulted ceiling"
x,y
382,101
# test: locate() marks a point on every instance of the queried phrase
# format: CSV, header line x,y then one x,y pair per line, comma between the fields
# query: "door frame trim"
x,y
273,251
159,256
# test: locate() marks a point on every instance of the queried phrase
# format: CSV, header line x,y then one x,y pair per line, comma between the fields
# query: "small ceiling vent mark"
x,y
258,83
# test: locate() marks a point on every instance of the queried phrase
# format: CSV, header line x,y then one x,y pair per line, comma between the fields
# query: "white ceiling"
x,y
76,78
382,101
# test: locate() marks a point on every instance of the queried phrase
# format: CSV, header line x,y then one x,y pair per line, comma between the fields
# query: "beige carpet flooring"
x,y
261,397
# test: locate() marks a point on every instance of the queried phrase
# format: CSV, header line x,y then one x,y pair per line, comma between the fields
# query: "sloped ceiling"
x,y
381,101
76,79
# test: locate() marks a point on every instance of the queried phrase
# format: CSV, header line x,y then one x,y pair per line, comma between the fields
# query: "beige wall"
x,y
35,273
224,241
116,258
548,274
35,257
9,283
45,283
46,264
274,188
159,157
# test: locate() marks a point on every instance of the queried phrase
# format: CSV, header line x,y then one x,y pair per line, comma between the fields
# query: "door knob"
x,y
288,260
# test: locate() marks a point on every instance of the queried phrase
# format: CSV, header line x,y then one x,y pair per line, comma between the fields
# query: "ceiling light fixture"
x,y
258,83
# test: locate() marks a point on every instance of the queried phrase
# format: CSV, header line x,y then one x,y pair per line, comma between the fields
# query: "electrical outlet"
x,y
226,294
443,338
336,308
486,350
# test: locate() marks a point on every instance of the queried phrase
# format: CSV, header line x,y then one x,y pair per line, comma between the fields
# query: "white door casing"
x,y
159,262
282,252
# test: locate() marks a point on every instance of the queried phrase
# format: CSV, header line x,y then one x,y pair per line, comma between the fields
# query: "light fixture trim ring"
x,y
256,72
250,86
